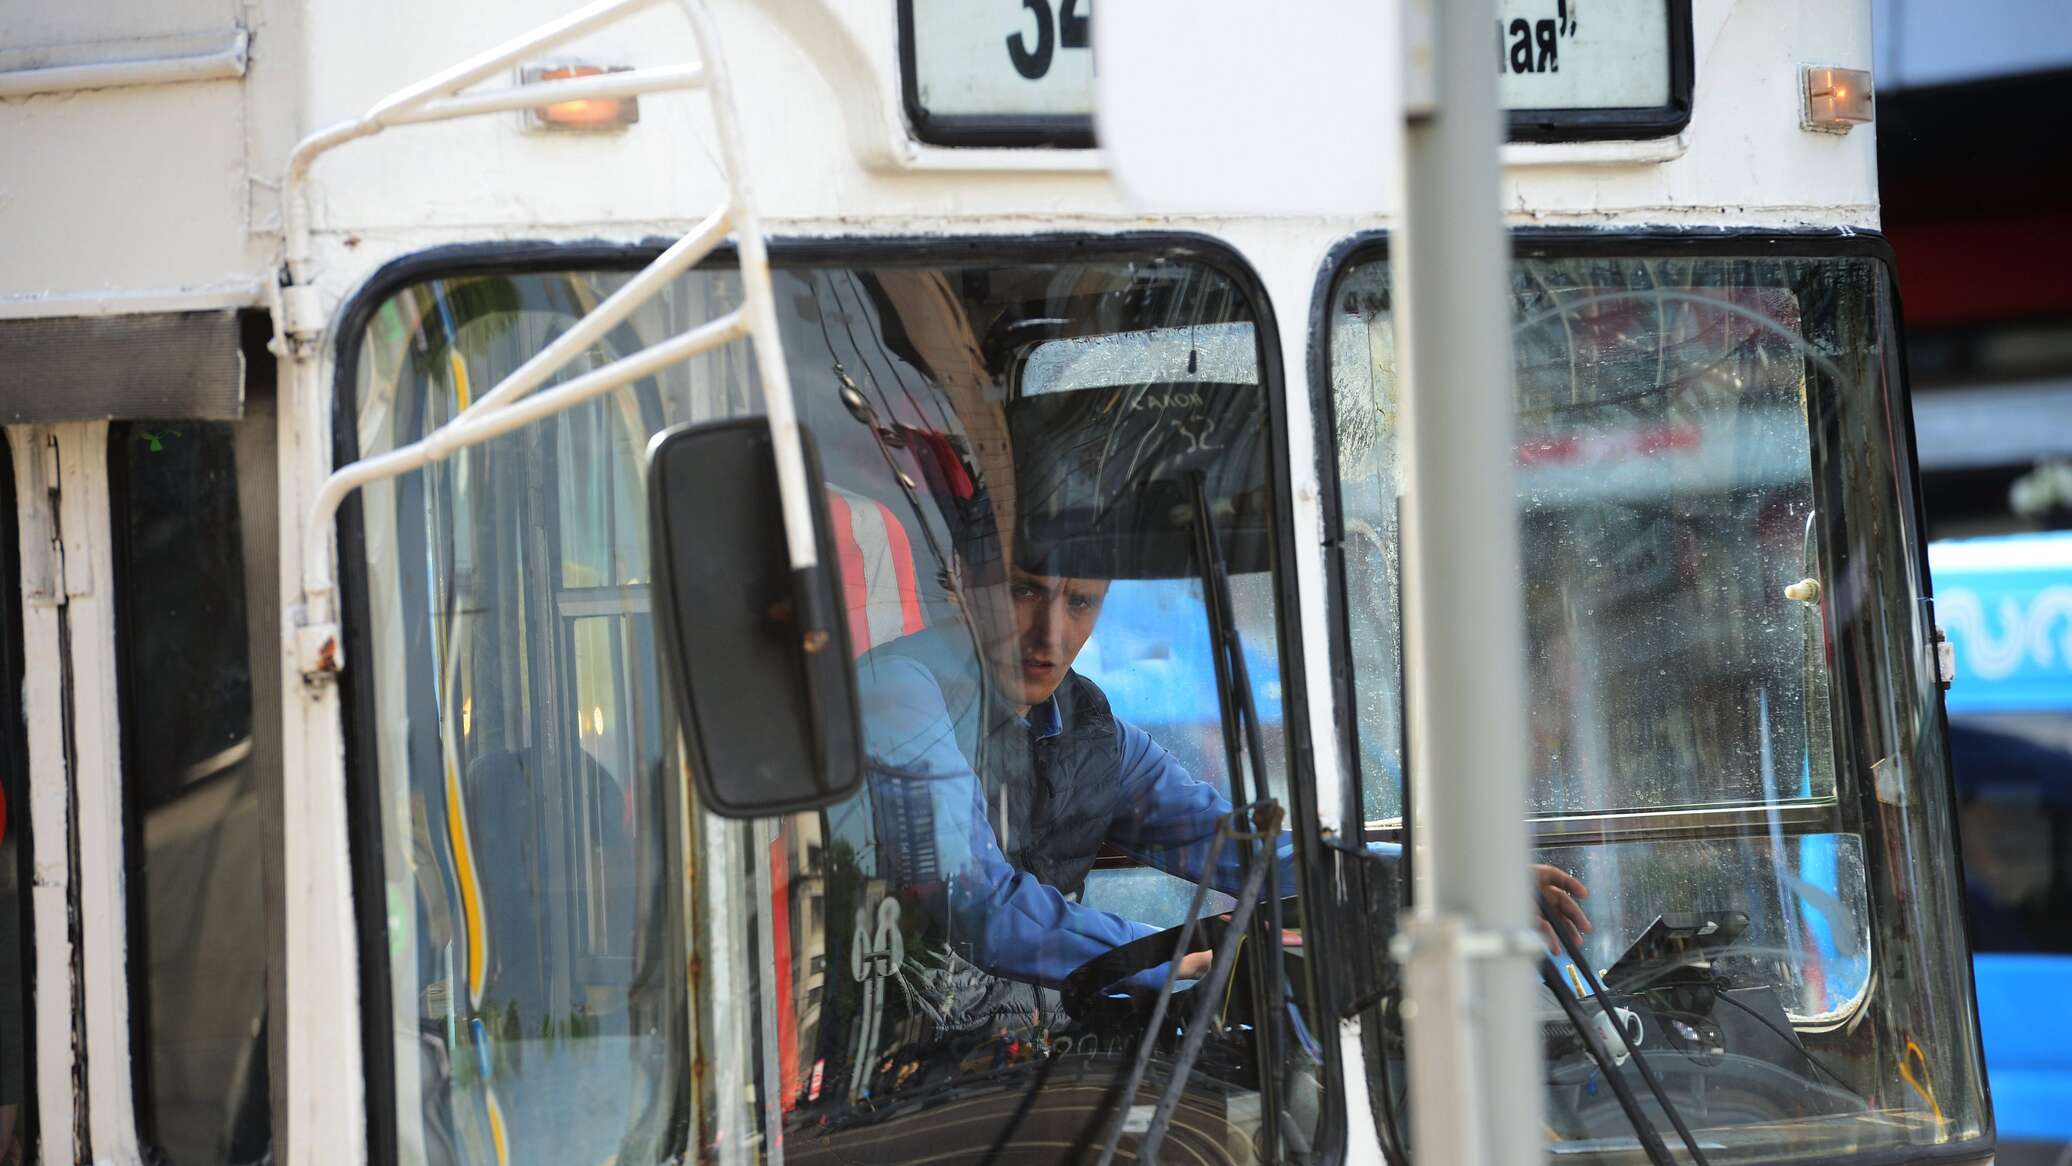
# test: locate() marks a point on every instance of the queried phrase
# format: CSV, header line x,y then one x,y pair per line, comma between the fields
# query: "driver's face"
x,y
1053,616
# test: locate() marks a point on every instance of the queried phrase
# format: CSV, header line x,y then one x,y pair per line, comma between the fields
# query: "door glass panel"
x,y
199,938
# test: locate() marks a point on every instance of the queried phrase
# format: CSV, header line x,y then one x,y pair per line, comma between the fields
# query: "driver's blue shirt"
x,y
1013,924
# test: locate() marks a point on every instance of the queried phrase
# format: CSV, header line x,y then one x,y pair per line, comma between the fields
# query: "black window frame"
x,y
14,751
1314,861
1630,123
1054,131
1845,696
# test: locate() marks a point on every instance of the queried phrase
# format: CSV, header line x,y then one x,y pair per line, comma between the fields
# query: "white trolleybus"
x,y
821,581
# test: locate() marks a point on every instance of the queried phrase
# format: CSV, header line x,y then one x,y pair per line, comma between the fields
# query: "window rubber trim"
x,y
1629,123
1656,241
364,811
1065,131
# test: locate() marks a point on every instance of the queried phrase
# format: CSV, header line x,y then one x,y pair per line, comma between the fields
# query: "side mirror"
x,y
769,718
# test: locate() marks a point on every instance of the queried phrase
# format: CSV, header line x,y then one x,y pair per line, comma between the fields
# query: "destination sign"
x,y
1583,54
1021,72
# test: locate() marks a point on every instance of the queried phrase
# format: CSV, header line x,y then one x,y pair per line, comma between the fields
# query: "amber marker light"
x,y
581,113
1834,101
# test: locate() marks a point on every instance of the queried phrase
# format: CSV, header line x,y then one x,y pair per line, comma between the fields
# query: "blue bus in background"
x,y
2006,605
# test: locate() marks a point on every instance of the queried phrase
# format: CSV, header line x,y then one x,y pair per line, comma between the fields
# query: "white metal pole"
x,y
1468,950
793,494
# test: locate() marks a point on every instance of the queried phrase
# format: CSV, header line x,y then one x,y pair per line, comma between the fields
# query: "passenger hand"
x,y
1561,891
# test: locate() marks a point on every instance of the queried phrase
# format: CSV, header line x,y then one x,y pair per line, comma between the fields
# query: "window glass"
x,y
1727,721
1014,457
199,937
17,1046
1665,478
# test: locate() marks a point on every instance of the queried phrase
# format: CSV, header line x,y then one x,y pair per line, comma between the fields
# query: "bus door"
x,y
144,774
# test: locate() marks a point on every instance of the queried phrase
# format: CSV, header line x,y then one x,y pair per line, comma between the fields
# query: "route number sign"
x,y
1021,72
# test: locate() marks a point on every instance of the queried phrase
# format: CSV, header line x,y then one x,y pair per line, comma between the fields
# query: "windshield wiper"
x,y
1266,826
1240,717
1259,857
1604,1001
1650,1140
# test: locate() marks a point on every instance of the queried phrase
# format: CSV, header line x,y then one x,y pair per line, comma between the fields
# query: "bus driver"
x,y
1010,839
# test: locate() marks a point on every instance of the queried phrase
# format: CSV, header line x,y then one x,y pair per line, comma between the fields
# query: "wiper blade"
x,y
1124,1094
1604,1001
1267,828
1650,1140
1259,853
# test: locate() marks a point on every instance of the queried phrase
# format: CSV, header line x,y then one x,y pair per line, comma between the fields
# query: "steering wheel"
x,y
1093,994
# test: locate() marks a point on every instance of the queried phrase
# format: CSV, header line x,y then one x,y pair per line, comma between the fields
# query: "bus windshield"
x,y
969,950
1728,735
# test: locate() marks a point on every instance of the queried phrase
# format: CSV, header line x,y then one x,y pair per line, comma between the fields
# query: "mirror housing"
x,y
768,712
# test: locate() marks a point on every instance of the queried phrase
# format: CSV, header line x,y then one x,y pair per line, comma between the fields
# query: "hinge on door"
x,y
1942,654
43,563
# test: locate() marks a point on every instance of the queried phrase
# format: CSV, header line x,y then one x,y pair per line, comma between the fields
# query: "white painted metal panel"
x,y
141,141
130,199
826,137
1204,106
78,22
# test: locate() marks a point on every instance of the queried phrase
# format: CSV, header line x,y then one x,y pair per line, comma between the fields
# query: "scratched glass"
x,y
1729,742
1014,454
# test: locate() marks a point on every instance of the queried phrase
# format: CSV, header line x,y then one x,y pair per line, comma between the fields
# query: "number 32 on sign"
x,y
1001,58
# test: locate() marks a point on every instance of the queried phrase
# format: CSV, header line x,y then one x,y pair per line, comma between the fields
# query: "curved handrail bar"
x,y
437,98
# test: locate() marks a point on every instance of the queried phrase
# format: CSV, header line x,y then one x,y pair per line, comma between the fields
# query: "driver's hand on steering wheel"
x,y
1562,891
1195,965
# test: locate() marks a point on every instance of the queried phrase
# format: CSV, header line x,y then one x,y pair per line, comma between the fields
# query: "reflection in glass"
x,y
1013,454
198,935
1730,745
